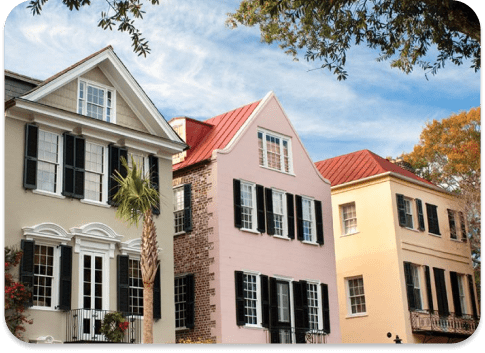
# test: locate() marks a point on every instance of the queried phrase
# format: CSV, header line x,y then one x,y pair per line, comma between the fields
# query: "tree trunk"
x,y
147,312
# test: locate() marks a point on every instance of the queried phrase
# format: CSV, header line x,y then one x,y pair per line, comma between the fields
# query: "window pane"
x,y
247,207
180,288
43,275
178,195
273,152
250,299
278,212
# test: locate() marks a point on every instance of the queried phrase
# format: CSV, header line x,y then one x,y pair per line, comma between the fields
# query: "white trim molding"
x,y
48,232
94,233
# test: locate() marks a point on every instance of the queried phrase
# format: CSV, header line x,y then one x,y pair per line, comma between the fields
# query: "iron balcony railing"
x,y
83,326
295,335
433,322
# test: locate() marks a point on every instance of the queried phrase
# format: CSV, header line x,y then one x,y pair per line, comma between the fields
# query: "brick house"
x,y
64,137
253,246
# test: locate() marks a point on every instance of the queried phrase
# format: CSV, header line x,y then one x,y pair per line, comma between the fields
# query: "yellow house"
x,y
404,265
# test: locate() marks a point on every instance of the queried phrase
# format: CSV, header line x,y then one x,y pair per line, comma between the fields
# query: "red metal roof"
x,y
359,165
223,129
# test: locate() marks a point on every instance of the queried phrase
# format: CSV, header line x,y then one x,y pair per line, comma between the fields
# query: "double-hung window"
x,y
96,101
349,218
136,287
279,213
274,151
461,293
251,297
248,205
356,296
139,161
178,209
313,306
417,287
180,301
44,289
308,217
94,176
48,162
408,208
452,224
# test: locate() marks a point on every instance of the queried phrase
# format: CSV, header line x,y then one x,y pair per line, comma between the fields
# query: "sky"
x,y
198,67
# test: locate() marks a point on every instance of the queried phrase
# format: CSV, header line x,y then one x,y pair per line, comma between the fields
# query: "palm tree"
x,y
135,199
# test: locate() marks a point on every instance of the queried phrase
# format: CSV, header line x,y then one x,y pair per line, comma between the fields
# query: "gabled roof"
x,y
359,165
223,129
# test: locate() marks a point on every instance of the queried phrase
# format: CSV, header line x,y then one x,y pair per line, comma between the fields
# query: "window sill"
x,y
435,235
253,327
277,170
457,240
309,242
182,329
43,308
356,316
412,229
179,233
281,237
95,203
249,231
349,234
48,193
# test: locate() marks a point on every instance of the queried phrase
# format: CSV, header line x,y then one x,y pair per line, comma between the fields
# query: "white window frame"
x,y
97,85
319,303
55,276
283,214
409,212
254,219
416,275
313,223
178,212
259,318
104,178
282,138
462,293
58,166
347,230
131,259
349,297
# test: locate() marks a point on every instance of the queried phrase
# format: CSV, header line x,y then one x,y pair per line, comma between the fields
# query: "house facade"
x,y
403,261
64,138
253,245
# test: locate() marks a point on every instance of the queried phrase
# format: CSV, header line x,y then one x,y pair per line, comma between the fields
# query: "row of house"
x,y
258,244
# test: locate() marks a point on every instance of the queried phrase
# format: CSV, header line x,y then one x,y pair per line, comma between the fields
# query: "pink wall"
x,y
240,250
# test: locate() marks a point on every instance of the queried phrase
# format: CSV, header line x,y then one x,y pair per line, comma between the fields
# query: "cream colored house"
x,y
403,261
64,137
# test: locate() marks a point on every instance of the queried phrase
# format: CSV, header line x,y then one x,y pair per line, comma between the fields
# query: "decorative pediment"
x,y
47,232
96,236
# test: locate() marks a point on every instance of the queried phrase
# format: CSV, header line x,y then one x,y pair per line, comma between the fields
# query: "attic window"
x,y
275,151
96,101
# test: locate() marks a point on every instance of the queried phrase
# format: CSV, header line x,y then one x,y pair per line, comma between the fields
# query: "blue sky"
x,y
199,68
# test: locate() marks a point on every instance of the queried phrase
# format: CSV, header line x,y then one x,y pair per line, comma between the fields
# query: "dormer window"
x,y
275,151
96,100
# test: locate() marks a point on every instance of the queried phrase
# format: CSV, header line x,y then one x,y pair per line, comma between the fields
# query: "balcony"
x,y
431,323
83,326
292,335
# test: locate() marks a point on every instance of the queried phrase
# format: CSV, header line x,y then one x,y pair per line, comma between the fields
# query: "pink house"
x,y
253,246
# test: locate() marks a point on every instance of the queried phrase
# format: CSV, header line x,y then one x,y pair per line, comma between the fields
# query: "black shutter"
x,y
319,221
30,156
239,282
408,275
260,208
429,292
123,285
264,300
419,206
300,314
157,300
325,308
439,279
187,207
74,154
433,223
401,210
154,180
299,217
471,288
464,236
456,293
27,266
114,164
65,278
269,211
273,305
237,203
190,301
290,208
452,224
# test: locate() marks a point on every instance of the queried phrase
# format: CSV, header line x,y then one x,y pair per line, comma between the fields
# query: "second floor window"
x,y
48,162
95,101
274,151
94,173
308,220
408,207
248,205
356,296
433,224
279,206
178,209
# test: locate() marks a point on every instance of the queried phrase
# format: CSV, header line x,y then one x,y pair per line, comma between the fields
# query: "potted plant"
x,y
114,326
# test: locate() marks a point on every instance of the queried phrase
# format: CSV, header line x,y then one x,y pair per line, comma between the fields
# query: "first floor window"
x,y
43,276
48,162
283,295
461,293
349,218
417,287
356,296
250,298
308,220
313,305
136,287
248,205
178,209
94,172
180,301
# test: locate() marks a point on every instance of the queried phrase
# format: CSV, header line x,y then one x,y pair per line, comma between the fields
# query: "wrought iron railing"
x,y
295,335
83,326
432,321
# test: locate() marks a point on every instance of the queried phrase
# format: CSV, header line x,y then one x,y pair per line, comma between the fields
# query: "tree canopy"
x,y
121,13
402,30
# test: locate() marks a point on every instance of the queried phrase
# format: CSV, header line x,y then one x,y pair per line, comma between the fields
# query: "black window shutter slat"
x,y
157,299
401,210
456,294
464,237
27,265
264,300
290,207
80,153
273,305
65,285
237,203
429,291
269,211
471,288
260,208
155,182
30,156
187,207
325,308
123,284
433,223
190,301
419,206
299,217
319,221
113,164
74,154
439,279
239,283
300,327
452,223
409,286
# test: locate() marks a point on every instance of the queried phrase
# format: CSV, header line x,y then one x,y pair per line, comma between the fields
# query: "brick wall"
x,y
192,251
